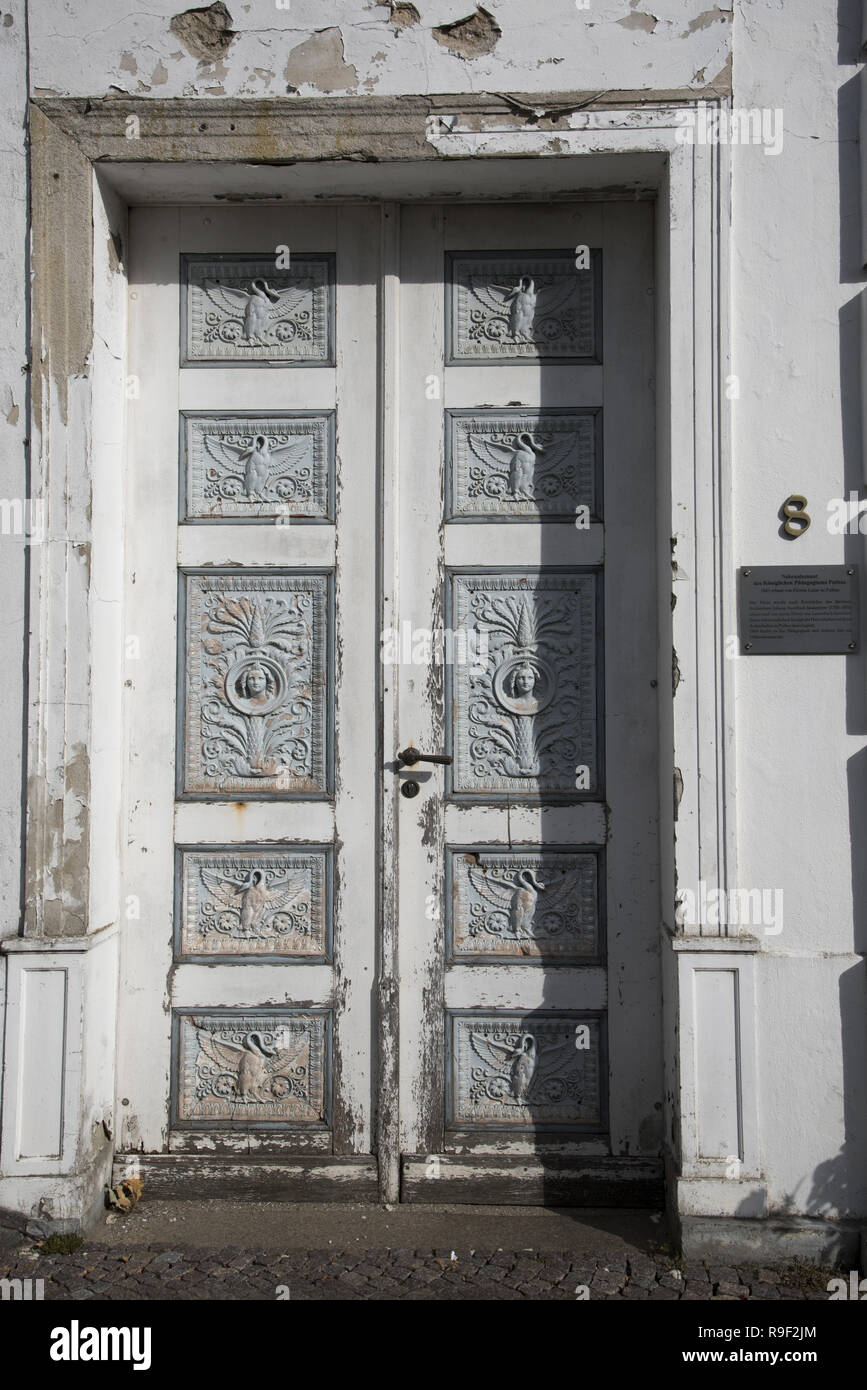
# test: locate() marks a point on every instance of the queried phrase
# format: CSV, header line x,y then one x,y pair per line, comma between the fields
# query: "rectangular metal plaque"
x,y
236,902
523,904
798,609
526,1071
260,1069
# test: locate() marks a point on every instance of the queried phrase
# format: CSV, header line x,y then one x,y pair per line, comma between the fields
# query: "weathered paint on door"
x,y
393,479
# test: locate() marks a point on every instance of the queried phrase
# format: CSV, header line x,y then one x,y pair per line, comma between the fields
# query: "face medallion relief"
x,y
525,685
255,685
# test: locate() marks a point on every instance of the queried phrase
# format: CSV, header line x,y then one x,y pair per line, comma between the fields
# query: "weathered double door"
x,y
390,498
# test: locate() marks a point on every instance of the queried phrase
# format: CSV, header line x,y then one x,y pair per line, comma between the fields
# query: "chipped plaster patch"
x,y
206,33
403,15
320,62
473,37
706,19
160,74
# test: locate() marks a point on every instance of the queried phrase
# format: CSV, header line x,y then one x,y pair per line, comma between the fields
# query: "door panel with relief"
x,y
528,864
251,487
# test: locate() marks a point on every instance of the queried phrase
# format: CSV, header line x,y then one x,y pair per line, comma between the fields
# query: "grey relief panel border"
x,y
255,684
526,1072
525,905
256,467
523,465
234,904
251,1069
525,717
240,309
522,306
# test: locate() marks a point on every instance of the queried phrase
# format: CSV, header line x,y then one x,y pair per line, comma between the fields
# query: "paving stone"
x,y
105,1273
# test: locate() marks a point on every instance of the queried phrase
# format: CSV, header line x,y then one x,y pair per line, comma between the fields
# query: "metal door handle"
x,y
410,756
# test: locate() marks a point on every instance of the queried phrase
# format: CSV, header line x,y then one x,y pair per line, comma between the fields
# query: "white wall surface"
x,y
802,767
93,47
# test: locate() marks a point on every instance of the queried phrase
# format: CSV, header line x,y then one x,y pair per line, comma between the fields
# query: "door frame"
x,y
90,160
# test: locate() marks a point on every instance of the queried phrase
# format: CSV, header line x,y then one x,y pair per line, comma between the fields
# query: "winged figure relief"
x,y
264,315
258,463
518,896
252,896
520,1061
256,1073
518,459
524,307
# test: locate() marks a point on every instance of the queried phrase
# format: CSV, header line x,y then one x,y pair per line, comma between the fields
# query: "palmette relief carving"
x,y
250,902
519,1072
511,464
255,466
525,905
242,309
255,716
251,1069
526,722
505,306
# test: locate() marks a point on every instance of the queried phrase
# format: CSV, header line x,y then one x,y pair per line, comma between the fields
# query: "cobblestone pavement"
x,y
103,1272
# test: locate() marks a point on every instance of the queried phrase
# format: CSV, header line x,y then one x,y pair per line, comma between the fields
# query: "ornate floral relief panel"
x,y
522,905
519,306
252,1068
524,713
252,467
235,903
255,703
527,1071
522,465
246,309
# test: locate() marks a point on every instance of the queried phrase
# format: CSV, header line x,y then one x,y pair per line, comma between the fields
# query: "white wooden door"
x,y
529,970
363,439
252,651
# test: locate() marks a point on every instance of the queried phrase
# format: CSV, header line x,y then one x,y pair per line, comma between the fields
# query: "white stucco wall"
x,y
800,722
802,772
91,48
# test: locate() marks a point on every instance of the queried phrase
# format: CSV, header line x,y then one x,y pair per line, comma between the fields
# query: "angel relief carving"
x,y
522,465
249,902
503,306
516,1072
241,308
257,462
261,1068
525,905
249,466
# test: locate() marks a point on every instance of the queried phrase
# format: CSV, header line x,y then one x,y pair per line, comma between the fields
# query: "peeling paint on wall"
x,y
640,20
320,62
704,20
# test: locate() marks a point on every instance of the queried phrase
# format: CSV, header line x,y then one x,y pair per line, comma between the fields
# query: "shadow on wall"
x,y
839,1185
